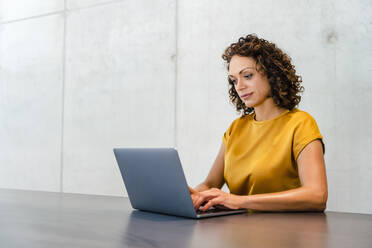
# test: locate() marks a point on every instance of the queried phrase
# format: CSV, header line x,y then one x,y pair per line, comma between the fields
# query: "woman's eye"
x,y
248,76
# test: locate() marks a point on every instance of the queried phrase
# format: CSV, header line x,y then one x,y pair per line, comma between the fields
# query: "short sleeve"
x,y
225,137
228,132
305,132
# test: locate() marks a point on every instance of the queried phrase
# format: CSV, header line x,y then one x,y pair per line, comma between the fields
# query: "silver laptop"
x,y
155,182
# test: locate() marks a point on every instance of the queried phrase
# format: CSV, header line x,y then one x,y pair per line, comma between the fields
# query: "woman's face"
x,y
252,86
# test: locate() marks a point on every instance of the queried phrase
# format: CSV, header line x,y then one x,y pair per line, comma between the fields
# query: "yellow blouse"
x,y
260,156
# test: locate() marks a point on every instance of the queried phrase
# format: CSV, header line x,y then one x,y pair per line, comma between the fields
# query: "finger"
x,y
208,203
201,199
194,196
205,196
198,202
195,200
207,206
211,203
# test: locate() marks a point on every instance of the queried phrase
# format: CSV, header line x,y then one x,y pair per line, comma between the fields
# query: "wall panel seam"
x,y
176,76
63,94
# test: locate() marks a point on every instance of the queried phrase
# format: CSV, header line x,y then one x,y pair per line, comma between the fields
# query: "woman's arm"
x,y
311,196
313,193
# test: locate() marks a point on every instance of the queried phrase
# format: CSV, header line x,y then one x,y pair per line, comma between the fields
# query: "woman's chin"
x,y
248,104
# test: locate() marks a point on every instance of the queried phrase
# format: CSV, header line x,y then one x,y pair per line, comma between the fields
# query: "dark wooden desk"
x,y
41,219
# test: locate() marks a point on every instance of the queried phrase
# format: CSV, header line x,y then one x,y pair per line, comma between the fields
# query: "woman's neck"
x,y
267,110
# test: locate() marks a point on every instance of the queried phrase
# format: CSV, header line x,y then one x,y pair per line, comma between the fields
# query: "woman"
x,y
271,157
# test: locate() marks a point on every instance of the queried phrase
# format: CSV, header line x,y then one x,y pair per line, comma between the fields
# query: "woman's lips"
x,y
246,96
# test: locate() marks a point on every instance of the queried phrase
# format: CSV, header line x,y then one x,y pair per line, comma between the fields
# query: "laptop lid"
x,y
155,181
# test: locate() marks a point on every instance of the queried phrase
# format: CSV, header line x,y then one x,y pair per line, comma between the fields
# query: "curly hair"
x,y
274,63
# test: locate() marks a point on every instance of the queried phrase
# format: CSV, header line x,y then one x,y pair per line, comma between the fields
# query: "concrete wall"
x,y
78,78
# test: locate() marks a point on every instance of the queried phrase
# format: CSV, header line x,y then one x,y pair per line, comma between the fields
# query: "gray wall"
x,y
78,78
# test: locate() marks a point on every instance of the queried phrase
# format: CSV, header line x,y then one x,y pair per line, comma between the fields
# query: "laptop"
x,y
155,182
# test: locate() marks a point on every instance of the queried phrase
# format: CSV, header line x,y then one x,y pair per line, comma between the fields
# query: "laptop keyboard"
x,y
213,210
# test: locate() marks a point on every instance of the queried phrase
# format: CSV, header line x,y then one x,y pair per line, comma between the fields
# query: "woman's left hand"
x,y
216,196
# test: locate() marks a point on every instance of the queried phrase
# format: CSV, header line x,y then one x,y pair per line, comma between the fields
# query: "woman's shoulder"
x,y
298,116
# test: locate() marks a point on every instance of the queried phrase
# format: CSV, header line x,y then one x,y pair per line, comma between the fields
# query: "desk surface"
x,y
43,219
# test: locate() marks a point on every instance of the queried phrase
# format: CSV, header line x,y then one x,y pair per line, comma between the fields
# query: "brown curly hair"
x,y
274,63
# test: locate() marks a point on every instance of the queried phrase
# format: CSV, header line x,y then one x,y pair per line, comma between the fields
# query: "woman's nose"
x,y
239,85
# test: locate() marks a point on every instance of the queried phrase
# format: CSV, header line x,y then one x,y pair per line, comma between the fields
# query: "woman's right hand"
x,y
195,195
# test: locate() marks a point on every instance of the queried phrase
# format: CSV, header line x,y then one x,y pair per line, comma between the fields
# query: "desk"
x,y
44,219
